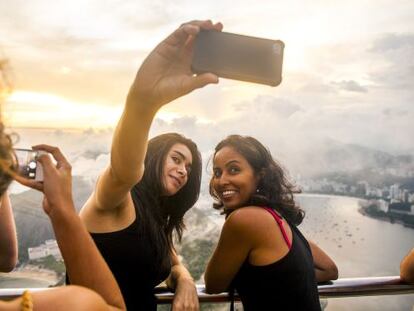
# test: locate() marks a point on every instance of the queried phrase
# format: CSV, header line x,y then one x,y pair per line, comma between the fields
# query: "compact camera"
x,y
28,166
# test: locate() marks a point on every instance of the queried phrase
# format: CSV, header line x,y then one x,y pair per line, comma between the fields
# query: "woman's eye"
x,y
234,170
176,160
216,173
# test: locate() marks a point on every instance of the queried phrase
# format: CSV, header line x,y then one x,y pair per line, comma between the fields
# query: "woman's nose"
x,y
223,180
182,170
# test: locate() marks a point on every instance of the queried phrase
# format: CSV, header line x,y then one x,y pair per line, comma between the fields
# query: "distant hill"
x,y
330,156
355,157
32,224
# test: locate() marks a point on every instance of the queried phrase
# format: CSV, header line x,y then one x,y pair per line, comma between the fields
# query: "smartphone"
x,y
238,57
28,166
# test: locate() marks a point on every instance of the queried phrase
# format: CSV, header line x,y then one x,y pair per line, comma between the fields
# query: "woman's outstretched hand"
x,y
166,73
57,182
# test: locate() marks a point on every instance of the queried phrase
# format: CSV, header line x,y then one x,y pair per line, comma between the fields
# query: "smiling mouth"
x,y
177,181
227,194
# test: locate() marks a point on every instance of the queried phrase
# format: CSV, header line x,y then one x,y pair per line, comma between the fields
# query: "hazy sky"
x,y
348,72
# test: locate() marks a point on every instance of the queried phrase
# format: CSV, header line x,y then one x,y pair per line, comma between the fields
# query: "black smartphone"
x,y
28,166
238,57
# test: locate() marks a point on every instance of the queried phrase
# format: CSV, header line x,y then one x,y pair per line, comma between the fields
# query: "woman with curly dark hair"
x,y
261,253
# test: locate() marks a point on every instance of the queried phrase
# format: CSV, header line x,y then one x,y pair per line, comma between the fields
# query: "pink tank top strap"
x,y
280,223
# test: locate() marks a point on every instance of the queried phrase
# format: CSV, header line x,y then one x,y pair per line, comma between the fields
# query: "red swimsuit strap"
x,y
280,223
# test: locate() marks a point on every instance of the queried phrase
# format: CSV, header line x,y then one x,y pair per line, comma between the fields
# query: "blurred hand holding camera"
x,y
57,182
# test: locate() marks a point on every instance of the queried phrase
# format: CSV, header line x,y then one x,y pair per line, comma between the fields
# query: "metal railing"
x,y
350,287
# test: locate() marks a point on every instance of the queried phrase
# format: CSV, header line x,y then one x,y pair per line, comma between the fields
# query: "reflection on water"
x,y
361,247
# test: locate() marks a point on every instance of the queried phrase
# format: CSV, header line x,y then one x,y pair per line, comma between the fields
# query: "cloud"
x,y
268,105
392,42
350,85
396,52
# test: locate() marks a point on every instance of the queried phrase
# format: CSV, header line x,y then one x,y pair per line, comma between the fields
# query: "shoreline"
x,y
324,195
363,211
32,273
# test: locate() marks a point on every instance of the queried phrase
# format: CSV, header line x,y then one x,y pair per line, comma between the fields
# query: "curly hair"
x,y
8,163
274,190
7,160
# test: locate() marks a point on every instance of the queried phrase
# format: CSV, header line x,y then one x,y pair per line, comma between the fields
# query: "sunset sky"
x,y
348,72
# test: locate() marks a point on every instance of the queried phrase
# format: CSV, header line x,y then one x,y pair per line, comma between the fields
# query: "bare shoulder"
x,y
107,220
250,219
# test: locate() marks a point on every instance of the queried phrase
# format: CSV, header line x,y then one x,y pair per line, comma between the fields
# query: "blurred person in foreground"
x,y
94,287
8,237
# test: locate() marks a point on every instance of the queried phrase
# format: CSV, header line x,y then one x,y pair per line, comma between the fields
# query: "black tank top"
x,y
130,257
287,284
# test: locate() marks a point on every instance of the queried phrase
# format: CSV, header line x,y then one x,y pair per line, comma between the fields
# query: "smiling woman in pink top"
x,y
261,253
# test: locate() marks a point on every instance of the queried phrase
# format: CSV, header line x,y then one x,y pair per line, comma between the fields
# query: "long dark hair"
x,y
159,216
274,189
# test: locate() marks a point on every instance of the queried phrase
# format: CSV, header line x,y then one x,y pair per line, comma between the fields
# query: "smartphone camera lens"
x,y
276,48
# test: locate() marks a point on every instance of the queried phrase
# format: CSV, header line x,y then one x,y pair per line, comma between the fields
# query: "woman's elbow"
x,y
328,273
212,288
333,272
209,289
407,268
8,264
407,278
407,274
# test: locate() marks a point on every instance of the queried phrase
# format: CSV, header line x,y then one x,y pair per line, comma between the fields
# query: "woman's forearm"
x,y
182,283
325,267
129,144
84,263
8,241
325,275
178,273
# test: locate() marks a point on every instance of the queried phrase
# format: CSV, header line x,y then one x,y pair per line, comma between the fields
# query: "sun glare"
x,y
32,109
311,32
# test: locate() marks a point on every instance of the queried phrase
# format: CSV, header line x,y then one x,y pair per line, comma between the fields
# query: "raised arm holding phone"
x,y
143,194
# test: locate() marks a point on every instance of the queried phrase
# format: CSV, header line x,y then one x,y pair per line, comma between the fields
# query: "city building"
x,y
50,247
